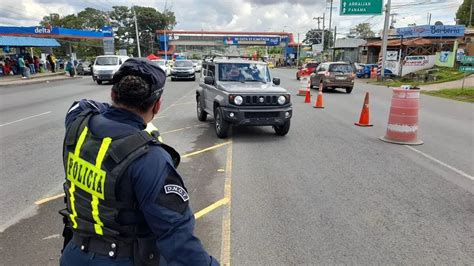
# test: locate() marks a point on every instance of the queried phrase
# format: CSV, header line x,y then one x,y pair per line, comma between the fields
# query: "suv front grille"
x,y
260,100
261,114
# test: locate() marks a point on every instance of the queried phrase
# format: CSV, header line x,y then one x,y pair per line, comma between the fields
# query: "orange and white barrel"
x,y
403,119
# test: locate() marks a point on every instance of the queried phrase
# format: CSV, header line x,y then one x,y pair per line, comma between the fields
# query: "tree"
x,y
148,19
464,13
121,18
313,36
361,31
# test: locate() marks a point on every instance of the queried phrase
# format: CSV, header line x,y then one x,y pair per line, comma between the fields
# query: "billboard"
x,y
432,31
252,40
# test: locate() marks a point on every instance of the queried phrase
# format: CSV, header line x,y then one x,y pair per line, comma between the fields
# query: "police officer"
x,y
125,202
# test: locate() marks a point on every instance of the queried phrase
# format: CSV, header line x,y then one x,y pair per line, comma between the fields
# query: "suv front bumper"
x,y
257,117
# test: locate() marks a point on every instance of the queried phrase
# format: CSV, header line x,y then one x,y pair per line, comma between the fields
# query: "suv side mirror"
x,y
276,81
209,80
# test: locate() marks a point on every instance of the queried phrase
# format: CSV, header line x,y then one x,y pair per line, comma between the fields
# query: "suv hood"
x,y
250,87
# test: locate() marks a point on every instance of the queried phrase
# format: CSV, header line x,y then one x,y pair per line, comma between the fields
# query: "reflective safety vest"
x,y
95,172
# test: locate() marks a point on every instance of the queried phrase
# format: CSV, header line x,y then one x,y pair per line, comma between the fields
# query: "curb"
x,y
37,81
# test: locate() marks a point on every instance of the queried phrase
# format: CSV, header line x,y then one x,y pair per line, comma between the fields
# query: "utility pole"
x,y
334,44
330,25
322,38
470,15
385,37
136,32
166,46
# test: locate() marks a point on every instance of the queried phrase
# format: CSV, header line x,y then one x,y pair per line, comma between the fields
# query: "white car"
x,y
197,65
105,67
163,65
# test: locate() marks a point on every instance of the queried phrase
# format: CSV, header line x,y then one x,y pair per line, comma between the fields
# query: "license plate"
x,y
340,78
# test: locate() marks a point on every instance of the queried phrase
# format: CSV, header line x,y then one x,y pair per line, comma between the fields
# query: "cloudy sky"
x,y
240,15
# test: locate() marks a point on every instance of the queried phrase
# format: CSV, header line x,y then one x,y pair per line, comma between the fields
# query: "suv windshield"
x,y
243,72
183,64
106,61
344,68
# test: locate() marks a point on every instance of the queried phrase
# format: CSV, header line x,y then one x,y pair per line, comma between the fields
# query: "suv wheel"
x,y
297,76
221,126
349,90
366,76
201,114
283,129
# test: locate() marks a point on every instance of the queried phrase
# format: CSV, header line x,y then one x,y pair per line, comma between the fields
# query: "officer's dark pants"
x,y
73,256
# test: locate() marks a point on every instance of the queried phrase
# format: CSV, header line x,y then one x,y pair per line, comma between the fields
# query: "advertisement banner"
x,y
252,40
392,56
417,62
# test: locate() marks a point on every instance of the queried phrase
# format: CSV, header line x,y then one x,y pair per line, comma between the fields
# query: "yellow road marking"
x,y
42,201
225,244
206,149
210,208
181,129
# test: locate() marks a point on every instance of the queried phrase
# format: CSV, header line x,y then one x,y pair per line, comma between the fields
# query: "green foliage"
x,y
313,37
121,18
442,74
464,95
463,13
361,30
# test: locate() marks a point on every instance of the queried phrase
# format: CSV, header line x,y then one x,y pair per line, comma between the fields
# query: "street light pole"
x,y
330,25
166,46
298,52
136,32
385,38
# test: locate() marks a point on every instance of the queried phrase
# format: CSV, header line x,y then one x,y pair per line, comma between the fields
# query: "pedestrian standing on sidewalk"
x,y
22,66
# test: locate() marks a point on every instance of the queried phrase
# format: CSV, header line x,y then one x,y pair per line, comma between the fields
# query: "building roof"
x,y
27,42
349,43
411,42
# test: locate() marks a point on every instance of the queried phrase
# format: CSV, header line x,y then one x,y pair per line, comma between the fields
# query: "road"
x,y
327,193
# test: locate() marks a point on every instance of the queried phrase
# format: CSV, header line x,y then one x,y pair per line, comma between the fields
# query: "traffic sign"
x,y
361,7
466,69
467,59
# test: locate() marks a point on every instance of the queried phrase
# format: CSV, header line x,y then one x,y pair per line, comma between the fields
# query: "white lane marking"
x,y
51,237
23,119
441,163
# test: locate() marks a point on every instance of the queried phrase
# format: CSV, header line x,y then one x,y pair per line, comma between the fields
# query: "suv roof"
x,y
238,61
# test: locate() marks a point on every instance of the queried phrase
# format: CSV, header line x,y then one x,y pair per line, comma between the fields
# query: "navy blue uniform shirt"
x,y
172,224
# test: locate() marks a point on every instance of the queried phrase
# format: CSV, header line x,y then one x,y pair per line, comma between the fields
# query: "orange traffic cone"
x,y
307,99
365,113
319,100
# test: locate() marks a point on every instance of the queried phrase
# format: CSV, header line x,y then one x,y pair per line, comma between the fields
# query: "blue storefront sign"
x,y
252,40
55,32
432,31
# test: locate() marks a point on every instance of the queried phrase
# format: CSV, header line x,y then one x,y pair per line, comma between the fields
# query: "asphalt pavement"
x,y
327,193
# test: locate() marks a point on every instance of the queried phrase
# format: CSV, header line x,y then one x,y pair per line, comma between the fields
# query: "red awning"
x,y
152,57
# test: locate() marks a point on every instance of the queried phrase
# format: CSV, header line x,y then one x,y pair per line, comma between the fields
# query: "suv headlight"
x,y
281,100
238,100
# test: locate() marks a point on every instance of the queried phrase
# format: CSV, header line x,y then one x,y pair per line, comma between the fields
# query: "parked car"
x,y
367,68
84,68
197,65
306,69
163,65
105,67
183,69
238,92
334,75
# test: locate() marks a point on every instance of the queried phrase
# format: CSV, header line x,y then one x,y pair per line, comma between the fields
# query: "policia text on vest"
x,y
86,175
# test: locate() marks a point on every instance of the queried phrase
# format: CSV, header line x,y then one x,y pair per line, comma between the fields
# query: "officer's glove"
x,y
153,131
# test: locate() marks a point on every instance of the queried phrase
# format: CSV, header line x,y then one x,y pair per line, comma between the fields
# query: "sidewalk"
x,y
469,82
37,78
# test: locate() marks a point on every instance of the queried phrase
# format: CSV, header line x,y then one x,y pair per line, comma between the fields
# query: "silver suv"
x,y
240,92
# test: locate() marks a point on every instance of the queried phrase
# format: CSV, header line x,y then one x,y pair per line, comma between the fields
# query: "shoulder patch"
x,y
178,191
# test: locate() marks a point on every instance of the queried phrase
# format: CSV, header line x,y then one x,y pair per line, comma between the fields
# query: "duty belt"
x,y
102,247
